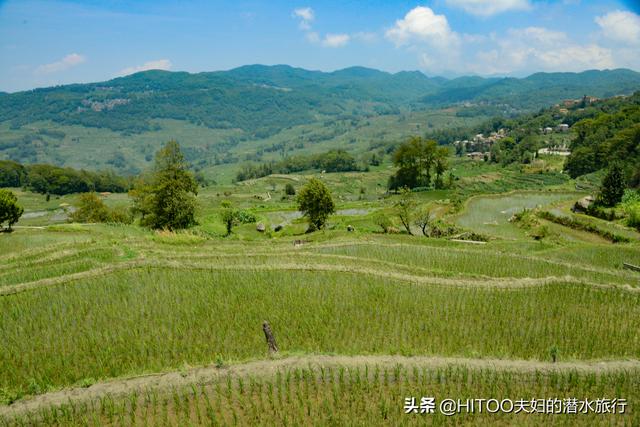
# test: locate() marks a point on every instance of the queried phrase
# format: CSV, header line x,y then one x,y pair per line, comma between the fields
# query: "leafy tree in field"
x,y
166,197
229,216
613,186
423,219
10,212
315,202
441,165
405,207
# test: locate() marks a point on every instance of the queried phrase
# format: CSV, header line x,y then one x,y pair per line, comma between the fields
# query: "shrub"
x,y
633,215
92,209
245,217
289,190
383,222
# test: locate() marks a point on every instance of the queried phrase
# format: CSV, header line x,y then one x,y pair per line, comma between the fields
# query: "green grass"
x,y
157,319
368,395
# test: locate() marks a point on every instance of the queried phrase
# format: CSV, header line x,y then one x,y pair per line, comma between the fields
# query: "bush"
x,y
383,222
92,209
245,217
289,190
633,214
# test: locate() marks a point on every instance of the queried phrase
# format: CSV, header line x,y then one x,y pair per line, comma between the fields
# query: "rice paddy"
x,y
368,318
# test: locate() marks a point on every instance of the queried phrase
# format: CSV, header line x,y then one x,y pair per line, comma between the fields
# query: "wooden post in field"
x,y
271,341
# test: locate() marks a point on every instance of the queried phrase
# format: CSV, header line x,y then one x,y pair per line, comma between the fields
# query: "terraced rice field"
x,y
84,305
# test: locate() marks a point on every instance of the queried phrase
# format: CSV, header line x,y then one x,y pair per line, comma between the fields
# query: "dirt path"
x,y
262,368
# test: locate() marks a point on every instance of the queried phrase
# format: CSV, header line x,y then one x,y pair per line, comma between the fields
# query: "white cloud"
x,y
306,16
421,24
160,64
65,63
335,40
620,26
439,49
536,48
489,7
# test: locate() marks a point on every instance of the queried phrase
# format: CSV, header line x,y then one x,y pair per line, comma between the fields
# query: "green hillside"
x,y
264,113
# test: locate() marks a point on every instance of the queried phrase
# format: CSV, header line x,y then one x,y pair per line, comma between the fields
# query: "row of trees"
x,y
331,161
49,179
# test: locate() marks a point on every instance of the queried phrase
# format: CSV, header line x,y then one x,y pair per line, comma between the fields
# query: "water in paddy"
x,y
490,214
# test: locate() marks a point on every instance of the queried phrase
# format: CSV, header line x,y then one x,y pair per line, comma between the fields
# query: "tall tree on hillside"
x,y
613,186
10,211
316,203
166,196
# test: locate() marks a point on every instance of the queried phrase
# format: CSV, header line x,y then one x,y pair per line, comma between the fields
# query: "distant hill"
x,y
536,91
260,113
262,100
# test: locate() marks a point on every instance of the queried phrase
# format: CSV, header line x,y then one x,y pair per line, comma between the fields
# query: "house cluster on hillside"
x,y
479,147
563,127
585,100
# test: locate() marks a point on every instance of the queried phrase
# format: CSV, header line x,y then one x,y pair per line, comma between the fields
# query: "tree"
x,y
229,216
415,159
441,165
315,202
405,207
166,196
613,186
10,211
423,219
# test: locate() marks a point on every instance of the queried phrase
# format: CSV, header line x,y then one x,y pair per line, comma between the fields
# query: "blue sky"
x,y
49,42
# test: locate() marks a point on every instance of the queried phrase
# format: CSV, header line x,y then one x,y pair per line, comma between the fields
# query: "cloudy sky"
x,y
49,42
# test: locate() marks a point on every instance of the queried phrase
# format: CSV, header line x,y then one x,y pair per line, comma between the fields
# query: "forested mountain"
x,y
537,90
260,113
262,100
